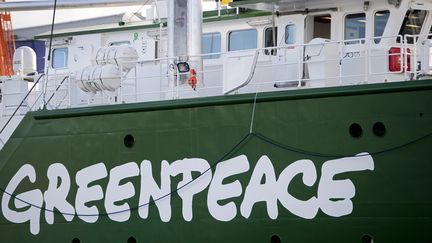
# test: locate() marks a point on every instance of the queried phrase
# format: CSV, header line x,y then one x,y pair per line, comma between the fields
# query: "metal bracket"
x,y
396,3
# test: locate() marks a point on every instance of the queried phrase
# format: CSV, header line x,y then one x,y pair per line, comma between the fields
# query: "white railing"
x,y
321,63
347,62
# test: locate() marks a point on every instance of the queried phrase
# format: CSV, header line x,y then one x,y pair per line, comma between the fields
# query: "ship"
x,y
266,121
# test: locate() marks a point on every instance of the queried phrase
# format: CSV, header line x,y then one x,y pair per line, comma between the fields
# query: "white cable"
x,y
253,112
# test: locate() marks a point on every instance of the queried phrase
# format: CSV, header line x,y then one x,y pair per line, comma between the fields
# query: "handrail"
x,y
22,102
250,76
364,51
57,88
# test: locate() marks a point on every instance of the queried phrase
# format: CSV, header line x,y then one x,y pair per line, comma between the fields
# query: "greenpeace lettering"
x,y
35,196
333,196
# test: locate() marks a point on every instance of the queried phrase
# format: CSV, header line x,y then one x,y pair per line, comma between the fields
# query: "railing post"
x,y
121,88
341,43
366,53
136,84
69,90
414,63
301,64
404,57
177,85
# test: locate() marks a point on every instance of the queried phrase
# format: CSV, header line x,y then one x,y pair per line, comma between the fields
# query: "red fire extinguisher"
x,y
192,79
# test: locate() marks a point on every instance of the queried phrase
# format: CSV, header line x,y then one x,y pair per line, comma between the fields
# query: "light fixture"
x,y
183,67
396,3
366,5
412,26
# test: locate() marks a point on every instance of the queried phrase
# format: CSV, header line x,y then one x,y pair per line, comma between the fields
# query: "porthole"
x,y
131,240
129,141
379,129
76,240
367,239
275,239
355,130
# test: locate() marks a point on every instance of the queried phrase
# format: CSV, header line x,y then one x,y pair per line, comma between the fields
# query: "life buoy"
x,y
192,79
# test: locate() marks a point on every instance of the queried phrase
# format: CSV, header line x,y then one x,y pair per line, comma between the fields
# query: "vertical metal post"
x,y
136,84
301,63
341,43
368,46
185,34
177,85
404,56
121,86
69,91
414,68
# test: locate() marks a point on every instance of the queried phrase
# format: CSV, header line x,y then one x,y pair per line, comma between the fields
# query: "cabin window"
x,y
412,24
380,22
59,58
270,40
242,40
355,27
211,43
321,26
290,34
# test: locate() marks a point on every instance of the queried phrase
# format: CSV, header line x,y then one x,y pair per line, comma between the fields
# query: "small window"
x,y
59,58
270,40
412,24
290,34
242,40
355,27
211,43
380,22
321,26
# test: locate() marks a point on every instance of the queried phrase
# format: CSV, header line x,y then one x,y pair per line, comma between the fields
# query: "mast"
x,y
185,35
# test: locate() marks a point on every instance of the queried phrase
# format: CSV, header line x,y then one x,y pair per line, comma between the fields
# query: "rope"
x,y
316,154
253,113
138,11
49,54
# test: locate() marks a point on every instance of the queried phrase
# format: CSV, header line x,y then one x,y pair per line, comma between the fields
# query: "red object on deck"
x,y
395,62
193,81
7,44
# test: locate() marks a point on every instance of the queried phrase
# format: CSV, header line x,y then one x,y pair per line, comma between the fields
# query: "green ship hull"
x,y
344,164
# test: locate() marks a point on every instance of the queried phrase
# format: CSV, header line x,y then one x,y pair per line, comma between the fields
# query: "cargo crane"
x,y
7,44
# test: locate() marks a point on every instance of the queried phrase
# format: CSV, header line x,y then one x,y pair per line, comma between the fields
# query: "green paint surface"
x,y
393,203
